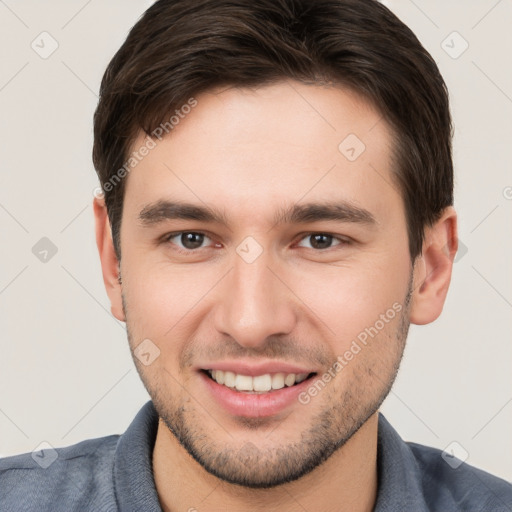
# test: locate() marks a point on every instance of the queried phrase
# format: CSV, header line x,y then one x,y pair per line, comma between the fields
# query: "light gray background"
x,y
65,369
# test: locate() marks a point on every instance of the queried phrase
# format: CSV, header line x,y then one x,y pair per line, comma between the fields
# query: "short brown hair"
x,y
181,48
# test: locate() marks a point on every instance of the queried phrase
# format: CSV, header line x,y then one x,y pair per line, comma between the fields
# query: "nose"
x,y
254,303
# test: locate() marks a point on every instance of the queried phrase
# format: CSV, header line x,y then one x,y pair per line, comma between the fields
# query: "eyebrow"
x,y
159,211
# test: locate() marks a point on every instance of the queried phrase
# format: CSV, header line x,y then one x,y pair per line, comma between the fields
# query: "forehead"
x,y
312,118
259,148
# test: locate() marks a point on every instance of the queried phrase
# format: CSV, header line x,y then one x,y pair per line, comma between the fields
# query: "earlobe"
x,y
433,269
109,262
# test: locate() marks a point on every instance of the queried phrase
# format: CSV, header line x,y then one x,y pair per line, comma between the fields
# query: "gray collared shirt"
x,y
114,473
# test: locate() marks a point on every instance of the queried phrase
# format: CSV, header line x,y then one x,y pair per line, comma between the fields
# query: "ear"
x,y
433,269
109,262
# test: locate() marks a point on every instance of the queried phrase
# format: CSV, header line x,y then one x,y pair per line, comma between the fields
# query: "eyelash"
x,y
167,239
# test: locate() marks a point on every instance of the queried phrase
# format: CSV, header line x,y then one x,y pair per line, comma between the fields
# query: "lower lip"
x,y
253,405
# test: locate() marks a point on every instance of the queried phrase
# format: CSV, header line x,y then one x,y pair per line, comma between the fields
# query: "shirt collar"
x,y
133,464
398,473
399,478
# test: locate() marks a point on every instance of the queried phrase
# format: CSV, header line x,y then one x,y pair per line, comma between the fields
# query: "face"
x,y
254,245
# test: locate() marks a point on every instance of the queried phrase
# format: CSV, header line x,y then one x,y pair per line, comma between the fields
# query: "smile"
x,y
258,383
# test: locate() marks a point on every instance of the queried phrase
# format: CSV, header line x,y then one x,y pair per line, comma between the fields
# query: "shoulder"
x,y
75,477
448,480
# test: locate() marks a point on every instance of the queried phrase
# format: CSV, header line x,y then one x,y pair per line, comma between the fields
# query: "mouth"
x,y
257,384
256,391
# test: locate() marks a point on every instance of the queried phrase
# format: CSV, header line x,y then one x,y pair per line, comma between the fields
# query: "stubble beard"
x,y
254,467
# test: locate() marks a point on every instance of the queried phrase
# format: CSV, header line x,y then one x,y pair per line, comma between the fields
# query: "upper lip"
x,y
254,369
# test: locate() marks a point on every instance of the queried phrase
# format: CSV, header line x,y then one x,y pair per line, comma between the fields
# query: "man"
x,y
277,208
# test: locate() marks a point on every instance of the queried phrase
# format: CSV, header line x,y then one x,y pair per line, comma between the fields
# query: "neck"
x,y
347,481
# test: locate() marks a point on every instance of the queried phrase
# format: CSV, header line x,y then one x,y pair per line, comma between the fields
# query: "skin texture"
x,y
250,153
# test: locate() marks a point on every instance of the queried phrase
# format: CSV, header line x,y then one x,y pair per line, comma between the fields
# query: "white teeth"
x,y
262,383
243,383
229,378
259,383
278,381
289,380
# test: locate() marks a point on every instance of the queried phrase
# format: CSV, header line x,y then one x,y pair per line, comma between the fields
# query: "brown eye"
x,y
187,240
191,240
321,240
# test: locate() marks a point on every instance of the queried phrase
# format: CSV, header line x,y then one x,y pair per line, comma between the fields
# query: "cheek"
x,y
162,298
348,299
